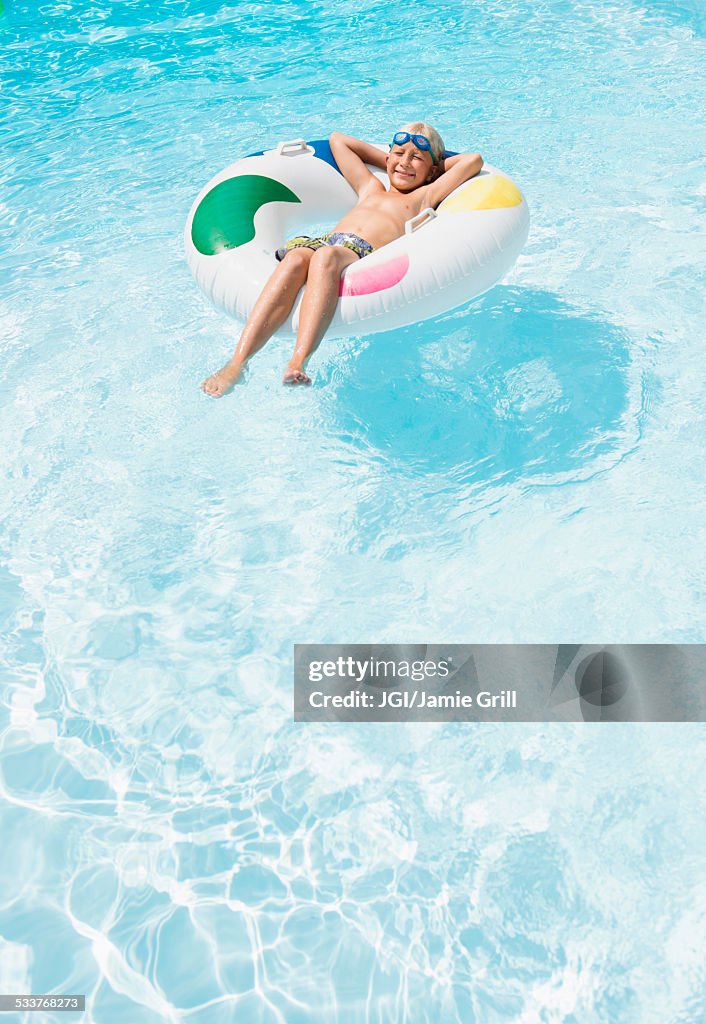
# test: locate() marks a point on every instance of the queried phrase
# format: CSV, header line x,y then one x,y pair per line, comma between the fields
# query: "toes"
x,y
211,387
296,377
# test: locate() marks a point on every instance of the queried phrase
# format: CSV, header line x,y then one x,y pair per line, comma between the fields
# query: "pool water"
x,y
524,469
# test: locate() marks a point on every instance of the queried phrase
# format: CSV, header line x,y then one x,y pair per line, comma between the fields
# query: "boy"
x,y
419,177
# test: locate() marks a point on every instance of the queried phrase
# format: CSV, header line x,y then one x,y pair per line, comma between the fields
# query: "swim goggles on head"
x,y
420,141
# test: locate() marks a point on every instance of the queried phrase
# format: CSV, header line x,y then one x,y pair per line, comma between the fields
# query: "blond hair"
x,y
422,128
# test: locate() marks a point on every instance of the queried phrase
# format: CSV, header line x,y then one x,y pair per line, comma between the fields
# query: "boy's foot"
x,y
296,377
220,382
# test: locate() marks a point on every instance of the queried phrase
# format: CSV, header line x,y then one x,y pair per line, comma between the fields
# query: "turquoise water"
x,y
524,470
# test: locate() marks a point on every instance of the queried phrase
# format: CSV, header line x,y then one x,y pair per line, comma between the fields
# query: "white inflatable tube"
x,y
445,258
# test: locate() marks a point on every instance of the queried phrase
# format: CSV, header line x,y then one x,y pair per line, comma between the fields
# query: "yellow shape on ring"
x,y
488,192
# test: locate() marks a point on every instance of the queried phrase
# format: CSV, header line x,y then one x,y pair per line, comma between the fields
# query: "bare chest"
x,y
399,208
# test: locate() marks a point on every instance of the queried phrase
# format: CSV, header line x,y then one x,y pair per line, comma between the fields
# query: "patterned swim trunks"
x,y
350,241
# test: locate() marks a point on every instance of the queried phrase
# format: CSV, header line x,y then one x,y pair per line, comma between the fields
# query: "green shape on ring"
x,y
225,217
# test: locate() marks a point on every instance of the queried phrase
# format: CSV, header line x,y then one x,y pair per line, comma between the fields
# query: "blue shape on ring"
x,y
322,149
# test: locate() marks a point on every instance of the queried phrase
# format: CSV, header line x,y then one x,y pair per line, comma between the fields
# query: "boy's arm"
x,y
352,155
457,169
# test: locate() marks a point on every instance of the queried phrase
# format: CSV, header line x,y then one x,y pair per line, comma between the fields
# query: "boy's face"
x,y
409,167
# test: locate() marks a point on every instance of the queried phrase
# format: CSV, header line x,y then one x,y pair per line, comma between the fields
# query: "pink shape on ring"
x,y
376,279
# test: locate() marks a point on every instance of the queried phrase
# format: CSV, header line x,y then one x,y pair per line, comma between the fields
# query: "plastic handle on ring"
x,y
417,222
293,146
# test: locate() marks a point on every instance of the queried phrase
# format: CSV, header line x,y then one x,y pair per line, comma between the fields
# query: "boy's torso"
x,y
380,216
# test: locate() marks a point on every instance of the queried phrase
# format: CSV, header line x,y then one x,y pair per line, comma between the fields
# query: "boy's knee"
x,y
297,261
326,258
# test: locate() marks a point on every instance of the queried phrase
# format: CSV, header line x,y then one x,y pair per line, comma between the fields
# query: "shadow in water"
x,y
521,384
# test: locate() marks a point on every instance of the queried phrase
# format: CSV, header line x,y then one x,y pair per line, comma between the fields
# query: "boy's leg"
x,y
272,308
318,306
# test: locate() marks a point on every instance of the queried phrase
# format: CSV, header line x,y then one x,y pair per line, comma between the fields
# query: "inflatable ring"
x,y
445,258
